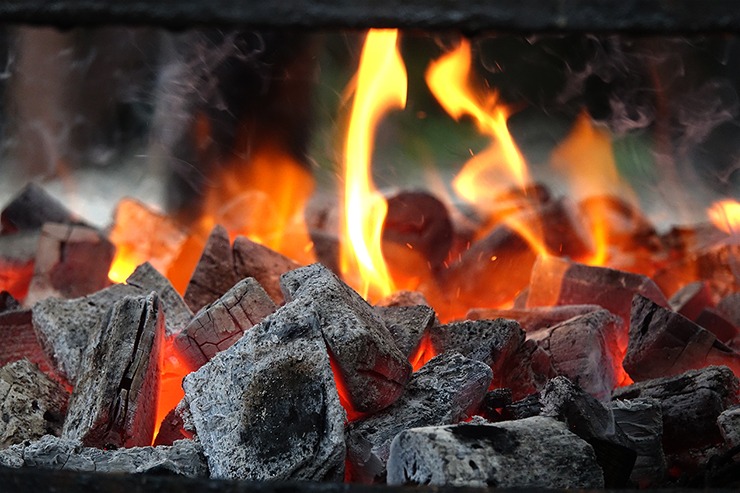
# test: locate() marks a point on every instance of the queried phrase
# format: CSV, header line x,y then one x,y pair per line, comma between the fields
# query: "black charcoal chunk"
x,y
371,366
642,421
8,303
267,408
184,458
729,425
690,403
219,325
446,390
523,408
114,398
407,324
536,318
31,404
664,343
497,398
31,209
537,452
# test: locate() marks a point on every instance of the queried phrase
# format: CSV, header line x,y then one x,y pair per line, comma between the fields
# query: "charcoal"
x,y
447,389
492,342
642,421
717,323
8,303
730,307
184,458
71,261
587,349
590,420
266,266
403,298
556,282
497,398
31,209
690,403
729,425
407,324
177,315
692,299
170,430
214,275
32,404
115,396
326,247
663,343
537,452
523,408
267,408
219,325
527,371
371,366
533,319
17,258
20,341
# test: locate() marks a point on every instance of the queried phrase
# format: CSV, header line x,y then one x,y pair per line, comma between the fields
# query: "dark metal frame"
x,y
636,16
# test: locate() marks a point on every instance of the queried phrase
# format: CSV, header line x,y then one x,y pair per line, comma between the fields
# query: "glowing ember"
x,y
170,388
380,87
725,215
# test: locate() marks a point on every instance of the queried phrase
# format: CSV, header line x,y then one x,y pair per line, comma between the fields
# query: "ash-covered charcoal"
x,y
183,458
265,265
590,420
219,325
663,343
177,315
8,303
690,403
71,261
556,281
32,405
17,258
729,426
537,452
114,400
717,323
587,349
267,408
20,341
447,389
642,421
373,369
407,324
214,275
403,298
31,209
536,318
692,299
492,342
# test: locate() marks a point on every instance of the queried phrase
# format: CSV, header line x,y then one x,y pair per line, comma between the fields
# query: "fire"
x,y
725,215
170,389
381,86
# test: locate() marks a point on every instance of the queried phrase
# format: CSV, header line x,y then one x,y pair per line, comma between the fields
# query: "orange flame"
x,y
170,389
725,215
381,86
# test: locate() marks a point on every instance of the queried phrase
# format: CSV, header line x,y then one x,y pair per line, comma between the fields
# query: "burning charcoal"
x,y
493,401
587,349
691,300
20,341
115,395
216,327
370,365
729,425
403,298
177,315
642,421
184,458
730,307
214,275
407,324
690,402
267,408
447,389
266,266
529,368
32,405
17,258
8,303
664,343
716,323
558,282
171,429
534,319
492,342
524,408
716,265
31,209
590,420
71,261
537,452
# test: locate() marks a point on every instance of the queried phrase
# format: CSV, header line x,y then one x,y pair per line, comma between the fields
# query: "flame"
x,y
725,215
423,353
381,86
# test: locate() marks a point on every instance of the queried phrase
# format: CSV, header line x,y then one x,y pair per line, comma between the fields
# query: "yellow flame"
x,y
725,215
501,161
381,86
